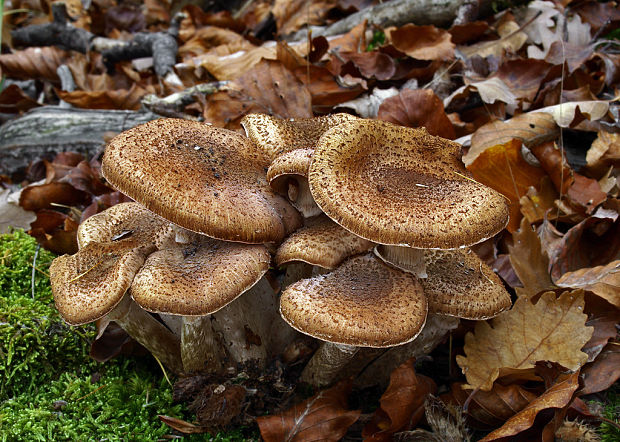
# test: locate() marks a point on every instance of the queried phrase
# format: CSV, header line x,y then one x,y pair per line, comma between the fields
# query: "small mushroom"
x,y
195,280
205,179
363,303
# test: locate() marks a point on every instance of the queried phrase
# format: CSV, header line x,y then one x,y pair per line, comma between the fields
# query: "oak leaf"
x,y
402,404
322,417
558,396
553,330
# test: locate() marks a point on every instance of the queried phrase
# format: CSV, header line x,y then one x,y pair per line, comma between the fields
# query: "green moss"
x,y
44,361
608,432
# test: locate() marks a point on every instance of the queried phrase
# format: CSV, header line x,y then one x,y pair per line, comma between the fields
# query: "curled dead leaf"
x,y
602,280
423,42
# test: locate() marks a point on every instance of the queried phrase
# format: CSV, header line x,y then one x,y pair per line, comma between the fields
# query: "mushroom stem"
x,y
173,322
378,372
407,259
245,324
327,362
200,351
299,195
149,332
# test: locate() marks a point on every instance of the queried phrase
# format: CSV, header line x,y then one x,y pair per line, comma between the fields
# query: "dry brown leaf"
x,y
553,329
37,62
524,76
531,128
511,40
604,281
402,404
14,100
267,88
230,67
423,42
503,168
105,99
370,64
536,203
325,90
604,152
43,196
11,214
182,426
417,108
322,417
55,231
490,409
604,371
558,396
603,316
564,114
291,15
529,262
491,90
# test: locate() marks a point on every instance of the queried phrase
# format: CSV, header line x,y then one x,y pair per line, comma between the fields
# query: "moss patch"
x,y
49,388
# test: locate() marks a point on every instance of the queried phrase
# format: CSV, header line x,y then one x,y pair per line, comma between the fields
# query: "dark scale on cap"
x,y
179,183
363,303
401,186
276,136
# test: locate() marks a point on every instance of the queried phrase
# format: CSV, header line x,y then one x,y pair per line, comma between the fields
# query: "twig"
x,y
94,391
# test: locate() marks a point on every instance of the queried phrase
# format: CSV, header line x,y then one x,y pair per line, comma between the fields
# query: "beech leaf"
x,y
553,330
558,396
602,280
322,417
565,113
402,404
604,371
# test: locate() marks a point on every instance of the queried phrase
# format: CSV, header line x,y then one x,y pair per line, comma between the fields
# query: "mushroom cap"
x,y
198,278
363,303
127,223
322,243
460,284
407,259
292,163
88,285
401,186
276,135
205,179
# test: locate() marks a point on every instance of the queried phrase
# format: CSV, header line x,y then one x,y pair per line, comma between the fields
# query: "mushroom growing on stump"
x,y
361,303
205,179
197,279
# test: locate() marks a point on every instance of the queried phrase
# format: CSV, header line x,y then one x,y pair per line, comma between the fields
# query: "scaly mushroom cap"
x,y
88,285
363,303
276,136
126,223
322,243
460,284
400,186
205,179
198,278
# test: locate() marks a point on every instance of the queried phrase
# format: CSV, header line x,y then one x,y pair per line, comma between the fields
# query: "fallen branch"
x,y
172,105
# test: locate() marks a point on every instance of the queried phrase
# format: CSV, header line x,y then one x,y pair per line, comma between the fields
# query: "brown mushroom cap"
x,y
362,303
460,284
198,278
322,243
88,285
205,179
400,186
276,136
127,223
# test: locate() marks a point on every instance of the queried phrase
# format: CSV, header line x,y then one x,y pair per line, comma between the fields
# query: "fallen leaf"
x,y
55,231
325,90
490,90
291,15
564,114
523,76
573,55
603,316
34,63
216,407
536,203
423,42
14,100
11,214
490,409
503,168
512,39
553,329
604,152
43,196
370,64
402,404
604,281
367,106
106,99
558,396
417,108
604,371
322,417
531,128
529,261
181,425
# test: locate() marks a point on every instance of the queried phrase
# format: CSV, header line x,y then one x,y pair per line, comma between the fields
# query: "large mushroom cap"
x,y
203,178
198,278
276,136
459,284
363,303
322,243
126,223
88,285
401,186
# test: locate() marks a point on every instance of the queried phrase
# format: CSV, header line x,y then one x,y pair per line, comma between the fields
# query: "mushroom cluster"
x,y
378,218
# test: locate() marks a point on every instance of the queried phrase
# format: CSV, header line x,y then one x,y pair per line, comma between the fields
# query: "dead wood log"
x,y
48,130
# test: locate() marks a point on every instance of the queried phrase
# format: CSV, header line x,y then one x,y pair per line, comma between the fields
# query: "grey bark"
x,y
51,129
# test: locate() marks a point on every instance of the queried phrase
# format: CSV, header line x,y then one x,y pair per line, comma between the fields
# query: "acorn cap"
x,y
362,303
401,186
198,278
276,135
205,179
460,284
322,243
125,223
88,285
